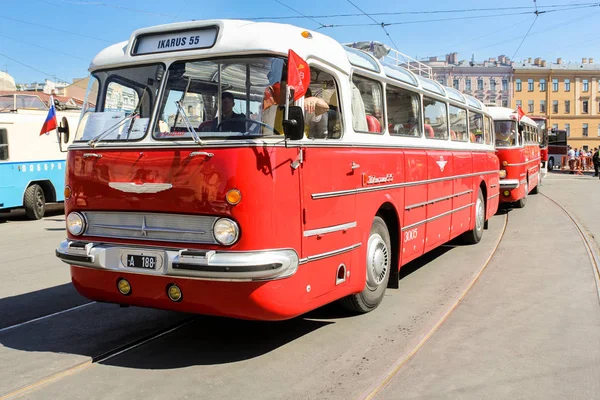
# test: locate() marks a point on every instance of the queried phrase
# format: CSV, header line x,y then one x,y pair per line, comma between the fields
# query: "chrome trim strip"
x,y
324,195
493,186
329,254
329,229
523,163
437,200
142,188
522,182
436,217
494,195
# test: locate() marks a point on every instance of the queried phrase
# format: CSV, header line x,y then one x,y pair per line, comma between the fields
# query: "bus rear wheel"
x,y
379,257
474,236
34,202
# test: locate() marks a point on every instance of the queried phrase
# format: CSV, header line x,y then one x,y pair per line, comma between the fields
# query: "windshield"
x,y
119,103
7,103
246,90
505,133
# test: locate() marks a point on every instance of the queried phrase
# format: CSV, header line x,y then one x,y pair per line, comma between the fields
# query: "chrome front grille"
x,y
151,226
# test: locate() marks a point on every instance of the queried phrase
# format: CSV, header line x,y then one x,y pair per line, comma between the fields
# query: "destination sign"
x,y
175,41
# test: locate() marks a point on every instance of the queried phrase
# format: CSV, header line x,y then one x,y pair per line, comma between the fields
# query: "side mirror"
x,y
293,127
63,132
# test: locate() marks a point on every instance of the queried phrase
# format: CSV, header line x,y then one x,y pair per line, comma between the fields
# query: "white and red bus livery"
x,y
174,205
518,148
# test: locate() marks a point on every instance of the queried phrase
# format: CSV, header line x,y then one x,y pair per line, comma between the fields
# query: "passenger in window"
x,y
230,120
316,120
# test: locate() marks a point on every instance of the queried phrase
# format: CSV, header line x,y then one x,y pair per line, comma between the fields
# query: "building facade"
x,y
489,81
567,93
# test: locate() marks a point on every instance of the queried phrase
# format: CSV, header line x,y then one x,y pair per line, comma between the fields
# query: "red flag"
x,y
50,123
298,74
520,113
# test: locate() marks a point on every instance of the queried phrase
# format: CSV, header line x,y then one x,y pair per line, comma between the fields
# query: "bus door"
x,y
415,200
329,177
8,174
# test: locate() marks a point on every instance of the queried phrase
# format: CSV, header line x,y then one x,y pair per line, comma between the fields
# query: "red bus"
x,y
274,205
518,148
544,132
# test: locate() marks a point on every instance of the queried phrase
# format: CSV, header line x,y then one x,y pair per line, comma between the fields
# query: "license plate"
x,y
140,261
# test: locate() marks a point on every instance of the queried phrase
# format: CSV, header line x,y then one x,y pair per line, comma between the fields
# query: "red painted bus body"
x,y
308,212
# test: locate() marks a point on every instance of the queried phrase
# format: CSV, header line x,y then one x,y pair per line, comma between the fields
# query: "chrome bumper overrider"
x,y
509,183
219,265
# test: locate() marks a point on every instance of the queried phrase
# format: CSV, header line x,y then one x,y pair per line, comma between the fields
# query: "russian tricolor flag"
x,y
50,122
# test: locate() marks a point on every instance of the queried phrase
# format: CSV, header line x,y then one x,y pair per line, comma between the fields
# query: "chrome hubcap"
x,y
479,215
40,200
378,261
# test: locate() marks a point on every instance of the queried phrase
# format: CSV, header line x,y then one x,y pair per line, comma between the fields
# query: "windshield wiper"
x,y
96,139
187,122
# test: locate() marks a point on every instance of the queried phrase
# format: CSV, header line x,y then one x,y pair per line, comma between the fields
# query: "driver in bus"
x,y
505,134
230,120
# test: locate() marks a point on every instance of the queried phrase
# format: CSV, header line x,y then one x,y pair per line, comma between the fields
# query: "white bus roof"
x,y
230,37
503,113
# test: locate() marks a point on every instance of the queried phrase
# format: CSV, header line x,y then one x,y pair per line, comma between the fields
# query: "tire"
x,y
378,260
474,236
536,189
521,203
34,202
550,164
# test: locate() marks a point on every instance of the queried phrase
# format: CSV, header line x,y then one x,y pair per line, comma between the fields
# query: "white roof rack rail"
x,y
388,55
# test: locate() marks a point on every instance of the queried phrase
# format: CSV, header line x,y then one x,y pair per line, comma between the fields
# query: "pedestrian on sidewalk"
x,y
596,161
571,156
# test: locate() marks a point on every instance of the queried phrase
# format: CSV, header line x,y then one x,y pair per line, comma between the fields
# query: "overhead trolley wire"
x,y
55,29
381,24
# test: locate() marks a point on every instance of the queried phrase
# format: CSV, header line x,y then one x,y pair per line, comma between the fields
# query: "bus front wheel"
x,y
34,202
379,263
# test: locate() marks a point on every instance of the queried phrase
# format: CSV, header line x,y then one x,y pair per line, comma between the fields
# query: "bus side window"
x,y
323,124
476,127
3,145
404,114
458,124
487,132
369,93
436,125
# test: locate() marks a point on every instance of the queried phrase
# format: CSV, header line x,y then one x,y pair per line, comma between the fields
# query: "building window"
x,y
567,129
584,107
519,103
555,106
530,85
586,85
542,85
479,84
530,106
504,103
493,85
518,83
468,84
555,126
567,85
442,81
567,106
542,106
555,85
585,130
598,130
455,84
505,85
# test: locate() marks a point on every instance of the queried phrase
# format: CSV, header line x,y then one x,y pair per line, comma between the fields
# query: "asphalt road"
x,y
528,327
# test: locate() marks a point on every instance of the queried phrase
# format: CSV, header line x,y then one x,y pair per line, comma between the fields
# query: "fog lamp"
x,y
507,193
124,287
174,293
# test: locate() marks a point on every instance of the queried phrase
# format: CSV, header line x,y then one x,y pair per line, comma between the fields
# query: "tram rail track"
x,y
43,317
105,356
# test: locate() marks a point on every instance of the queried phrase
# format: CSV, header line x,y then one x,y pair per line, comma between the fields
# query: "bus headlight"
x,y
226,231
76,223
502,173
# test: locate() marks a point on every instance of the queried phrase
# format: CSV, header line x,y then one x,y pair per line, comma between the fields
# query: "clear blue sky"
x,y
81,28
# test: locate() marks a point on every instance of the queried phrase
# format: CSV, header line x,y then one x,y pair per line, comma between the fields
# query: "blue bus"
x,y
32,167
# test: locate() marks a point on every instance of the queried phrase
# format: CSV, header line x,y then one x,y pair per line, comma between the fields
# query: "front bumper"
x,y
190,263
509,184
